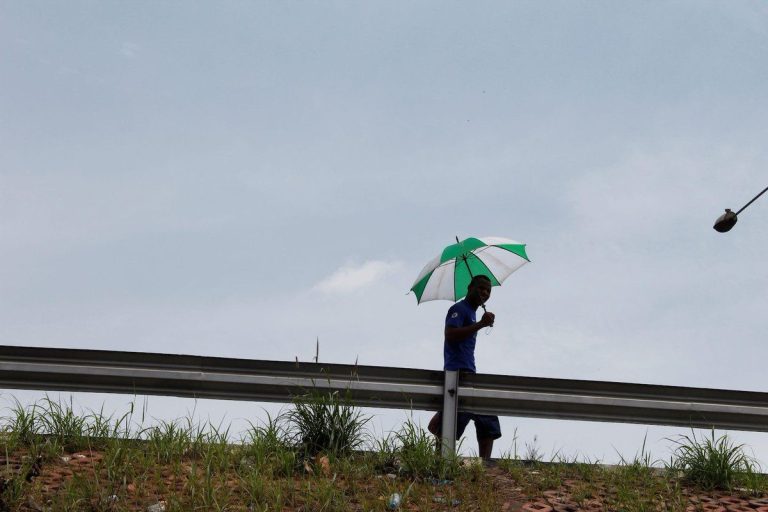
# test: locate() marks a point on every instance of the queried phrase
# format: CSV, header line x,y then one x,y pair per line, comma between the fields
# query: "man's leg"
x,y
488,430
435,426
485,447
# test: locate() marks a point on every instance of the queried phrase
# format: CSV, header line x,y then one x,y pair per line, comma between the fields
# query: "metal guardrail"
x,y
142,373
375,386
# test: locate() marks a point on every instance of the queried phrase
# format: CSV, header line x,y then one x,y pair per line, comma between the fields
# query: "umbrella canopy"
x,y
448,275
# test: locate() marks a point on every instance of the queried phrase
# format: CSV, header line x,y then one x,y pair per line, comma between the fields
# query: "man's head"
x,y
479,290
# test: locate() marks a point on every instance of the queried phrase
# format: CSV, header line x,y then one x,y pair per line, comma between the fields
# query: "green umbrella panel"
x,y
448,275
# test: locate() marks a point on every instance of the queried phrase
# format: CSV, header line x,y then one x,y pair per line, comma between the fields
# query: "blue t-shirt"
x,y
460,355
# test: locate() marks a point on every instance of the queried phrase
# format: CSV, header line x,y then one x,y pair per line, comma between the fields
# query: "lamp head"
x,y
726,221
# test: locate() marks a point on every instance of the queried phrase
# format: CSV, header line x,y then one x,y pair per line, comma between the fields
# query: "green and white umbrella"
x,y
448,275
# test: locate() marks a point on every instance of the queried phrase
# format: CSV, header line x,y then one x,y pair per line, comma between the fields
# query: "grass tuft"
x,y
325,422
417,454
711,463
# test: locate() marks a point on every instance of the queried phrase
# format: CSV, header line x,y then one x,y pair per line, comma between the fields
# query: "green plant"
x,y
168,440
12,489
65,429
209,492
266,449
755,482
641,465
323,494
325,422
709,462
417,450
384,453
23,424
417,453
211,444
512,466
532,451
255,484
100,428
587,470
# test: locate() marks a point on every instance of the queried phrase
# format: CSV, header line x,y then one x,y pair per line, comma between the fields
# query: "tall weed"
x,y
325,422
709,462
22,426
417,453
66,429
266,448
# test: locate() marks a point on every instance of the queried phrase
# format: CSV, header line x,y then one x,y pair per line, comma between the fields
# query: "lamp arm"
x,y
752,201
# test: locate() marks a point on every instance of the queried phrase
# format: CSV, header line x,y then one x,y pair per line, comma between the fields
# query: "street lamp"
x,y
727,220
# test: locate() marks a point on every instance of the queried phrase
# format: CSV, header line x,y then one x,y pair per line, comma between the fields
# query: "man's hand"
x,y
487,319
454,334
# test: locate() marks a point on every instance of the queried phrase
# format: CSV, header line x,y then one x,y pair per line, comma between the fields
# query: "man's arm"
x,y
454,334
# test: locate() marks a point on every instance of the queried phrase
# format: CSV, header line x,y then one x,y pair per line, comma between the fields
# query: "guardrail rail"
x,y
105,371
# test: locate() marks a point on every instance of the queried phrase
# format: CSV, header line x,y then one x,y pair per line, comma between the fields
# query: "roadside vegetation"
x,y
701,475
320,456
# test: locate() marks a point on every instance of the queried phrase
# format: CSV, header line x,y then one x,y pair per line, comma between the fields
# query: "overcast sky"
x,y
241,178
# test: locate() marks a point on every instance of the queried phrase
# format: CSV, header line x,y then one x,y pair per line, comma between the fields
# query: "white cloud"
x,y
353,277
129,49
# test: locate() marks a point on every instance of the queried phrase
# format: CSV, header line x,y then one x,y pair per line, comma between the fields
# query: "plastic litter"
x,y
394,501
442,499
157,507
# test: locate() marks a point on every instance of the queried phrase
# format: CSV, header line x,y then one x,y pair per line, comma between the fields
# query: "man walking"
x,y
459,354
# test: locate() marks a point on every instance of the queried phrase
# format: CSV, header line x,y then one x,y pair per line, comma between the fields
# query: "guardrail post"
x,y
450,411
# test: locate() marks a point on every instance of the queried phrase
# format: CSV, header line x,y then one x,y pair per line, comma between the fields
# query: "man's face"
x,y
479,292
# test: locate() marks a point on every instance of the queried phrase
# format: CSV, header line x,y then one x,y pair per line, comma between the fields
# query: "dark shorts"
x,y
486,427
